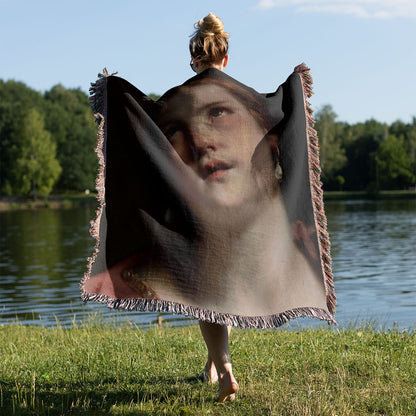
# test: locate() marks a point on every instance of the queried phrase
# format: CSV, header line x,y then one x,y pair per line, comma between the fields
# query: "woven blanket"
x,y
210,202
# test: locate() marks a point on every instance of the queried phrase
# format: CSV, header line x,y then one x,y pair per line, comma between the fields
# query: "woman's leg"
x,y
216,339
209,374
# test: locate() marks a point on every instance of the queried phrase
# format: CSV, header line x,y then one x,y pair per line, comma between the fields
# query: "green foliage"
x,y
365,156
360,172
72,133
71,123
16,99
14,92
340,180
408,134
332,154
153,96
35,169
394,164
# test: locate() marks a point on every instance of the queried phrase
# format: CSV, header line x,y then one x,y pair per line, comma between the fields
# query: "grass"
x,y
104,369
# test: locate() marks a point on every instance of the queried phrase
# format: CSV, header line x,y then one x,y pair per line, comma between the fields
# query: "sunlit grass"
x,y
118,369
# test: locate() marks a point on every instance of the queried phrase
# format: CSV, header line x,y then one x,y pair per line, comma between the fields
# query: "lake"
x,y
43,258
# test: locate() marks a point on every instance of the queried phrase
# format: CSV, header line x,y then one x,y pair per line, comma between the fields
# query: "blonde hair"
x,y
209,42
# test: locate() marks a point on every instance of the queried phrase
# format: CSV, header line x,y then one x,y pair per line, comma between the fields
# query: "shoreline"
x,y
63,201
364,195
66,201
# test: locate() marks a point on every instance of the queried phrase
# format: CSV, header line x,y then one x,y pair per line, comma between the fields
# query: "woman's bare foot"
x,y
228,388
209,374
216,339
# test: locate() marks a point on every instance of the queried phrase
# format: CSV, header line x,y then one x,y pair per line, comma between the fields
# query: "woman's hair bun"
x,y
210,25
209,42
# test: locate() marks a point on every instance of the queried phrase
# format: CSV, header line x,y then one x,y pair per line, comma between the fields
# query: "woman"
x,y
209,49
220,129
207,209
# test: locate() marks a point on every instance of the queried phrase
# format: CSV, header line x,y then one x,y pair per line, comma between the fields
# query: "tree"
x,y
15,99
332,154
408,133
394,164
153,96
71,123
8,116
35,169
364,139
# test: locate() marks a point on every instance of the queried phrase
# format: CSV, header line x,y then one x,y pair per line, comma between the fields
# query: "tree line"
x,y
47,140
47,143
369,156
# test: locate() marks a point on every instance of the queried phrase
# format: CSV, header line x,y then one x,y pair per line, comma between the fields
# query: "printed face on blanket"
x,y
218,232
219,131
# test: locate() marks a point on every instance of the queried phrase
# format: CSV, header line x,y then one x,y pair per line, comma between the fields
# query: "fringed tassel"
x,y
98,106
97,91
258,322
316,187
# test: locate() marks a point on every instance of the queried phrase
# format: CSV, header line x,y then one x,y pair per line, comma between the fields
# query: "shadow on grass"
x,y
99,396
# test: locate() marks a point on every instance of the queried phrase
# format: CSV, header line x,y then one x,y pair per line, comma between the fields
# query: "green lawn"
x,y
108,369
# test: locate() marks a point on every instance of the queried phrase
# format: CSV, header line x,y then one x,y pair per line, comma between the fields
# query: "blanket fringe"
x,y
245,322
316,188
98,106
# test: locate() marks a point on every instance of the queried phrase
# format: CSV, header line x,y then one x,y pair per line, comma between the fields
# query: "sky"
x,y
362,53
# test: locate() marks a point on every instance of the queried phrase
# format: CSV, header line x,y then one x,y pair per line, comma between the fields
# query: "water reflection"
x,y
42,253
374,260
43,257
